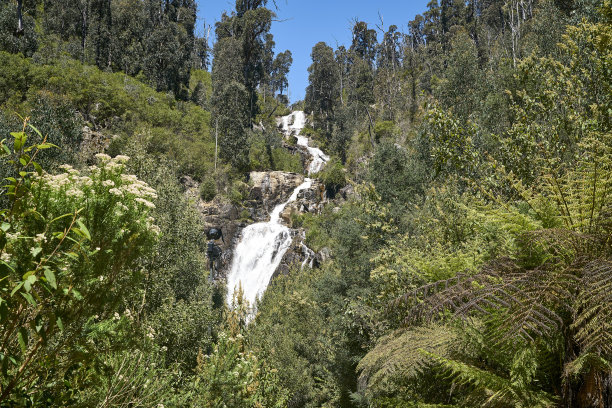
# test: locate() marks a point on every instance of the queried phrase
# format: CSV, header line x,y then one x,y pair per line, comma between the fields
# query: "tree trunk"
x,y
84,25
591,393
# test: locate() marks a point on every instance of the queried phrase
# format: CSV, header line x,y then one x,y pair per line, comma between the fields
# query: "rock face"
x,y
298,254
310,200
93,142
270,188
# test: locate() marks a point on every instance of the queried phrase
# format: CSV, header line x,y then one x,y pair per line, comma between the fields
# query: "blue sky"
x,y
303,23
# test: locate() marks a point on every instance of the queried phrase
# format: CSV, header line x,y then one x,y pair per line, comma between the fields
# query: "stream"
x,y
262,245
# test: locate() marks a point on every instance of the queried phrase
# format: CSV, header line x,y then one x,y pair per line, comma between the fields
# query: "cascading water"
x,y
259,252
299,120
263,245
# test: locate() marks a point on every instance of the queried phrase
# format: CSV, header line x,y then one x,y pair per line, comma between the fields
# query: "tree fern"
x,y
493,390
397,354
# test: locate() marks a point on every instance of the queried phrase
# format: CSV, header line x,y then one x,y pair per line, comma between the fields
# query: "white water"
x,y
299,120
259,253
263,245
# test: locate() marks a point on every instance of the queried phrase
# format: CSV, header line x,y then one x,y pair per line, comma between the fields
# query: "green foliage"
x,y
266,152
401,354
11,40
176,298
230,102
560,103
396,174
200,87
130,377
496,390
293,336
451,145
69,246
145,38
239,191
286,161
113,102
208,189
322,90
333,176
384,130
233,375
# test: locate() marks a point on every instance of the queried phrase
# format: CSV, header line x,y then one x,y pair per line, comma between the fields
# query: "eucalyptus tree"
x,y
280,69
266,83
388,81
249,24
17,34
322,91
230,101
364,42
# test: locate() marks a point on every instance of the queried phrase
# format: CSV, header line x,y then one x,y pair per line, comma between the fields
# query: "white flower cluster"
x,y
6,257
130,184
103,158
69,169
151,333
145,202
73,183
137,187
11,237
153,227
108,175
116,191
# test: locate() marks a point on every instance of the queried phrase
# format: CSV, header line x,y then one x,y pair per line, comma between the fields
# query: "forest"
x,y
464,245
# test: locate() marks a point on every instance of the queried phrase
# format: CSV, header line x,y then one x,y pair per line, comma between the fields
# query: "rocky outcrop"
x,y
267,190
93,142
218,213
297,254
270,188
310,200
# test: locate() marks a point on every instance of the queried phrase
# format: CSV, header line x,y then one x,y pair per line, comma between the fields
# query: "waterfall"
x,y
259,252
299,120
263,245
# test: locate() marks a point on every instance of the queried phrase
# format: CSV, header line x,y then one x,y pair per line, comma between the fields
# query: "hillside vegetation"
x,y
467,248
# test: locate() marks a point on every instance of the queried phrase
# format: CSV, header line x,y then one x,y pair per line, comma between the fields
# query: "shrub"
x,y
69,246
333,176
208,189
238,192
384,130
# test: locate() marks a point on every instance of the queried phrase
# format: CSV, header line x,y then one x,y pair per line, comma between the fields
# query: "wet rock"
x,y
270,188
221,213
346,192
298,255
189,183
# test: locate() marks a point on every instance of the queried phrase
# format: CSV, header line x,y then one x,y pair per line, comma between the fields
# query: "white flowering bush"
x,y
69,250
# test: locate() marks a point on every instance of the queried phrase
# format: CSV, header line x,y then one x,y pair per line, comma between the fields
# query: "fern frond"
x,y
524,296
397,353
557,247
593,321
586,362
492,389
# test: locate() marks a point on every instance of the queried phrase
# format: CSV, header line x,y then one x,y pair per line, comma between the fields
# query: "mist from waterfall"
x,y
263,245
